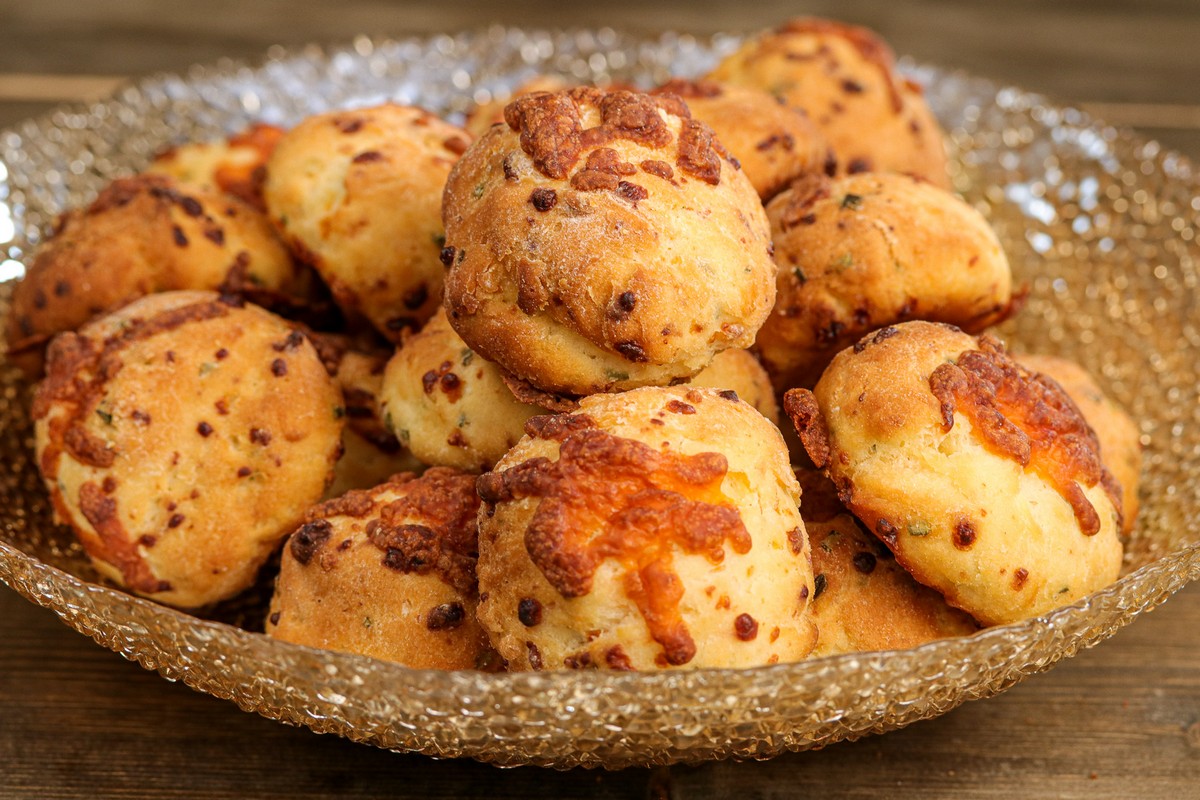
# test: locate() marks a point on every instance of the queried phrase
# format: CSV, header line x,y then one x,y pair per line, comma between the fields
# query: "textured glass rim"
x,y
43,585
723,725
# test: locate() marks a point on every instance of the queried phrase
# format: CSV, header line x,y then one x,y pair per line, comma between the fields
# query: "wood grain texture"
x,y
1087,49
1075,51
1119,721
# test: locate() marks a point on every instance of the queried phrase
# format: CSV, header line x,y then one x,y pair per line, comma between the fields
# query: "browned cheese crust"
x,y
485,115
142,235
599,242
865,251
1117,433
775,143
387,572
181,438
357,194
845,78
983,478
653,529
235,166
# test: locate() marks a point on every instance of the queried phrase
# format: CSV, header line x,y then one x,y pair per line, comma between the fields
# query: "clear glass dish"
x,y
1102,227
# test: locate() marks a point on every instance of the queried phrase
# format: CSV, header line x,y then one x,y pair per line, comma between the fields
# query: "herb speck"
x,y
919,528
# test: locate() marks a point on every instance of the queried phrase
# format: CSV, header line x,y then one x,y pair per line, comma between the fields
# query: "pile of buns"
x,y
508,396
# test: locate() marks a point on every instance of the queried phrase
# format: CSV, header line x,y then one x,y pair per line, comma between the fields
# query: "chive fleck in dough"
x,y
1120,445
865,251
652,529
845,78
774,143
982,477
182,438
142,235
603,241
387,572
358,194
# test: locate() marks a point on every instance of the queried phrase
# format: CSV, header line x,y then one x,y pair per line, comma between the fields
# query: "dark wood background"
x,y
1119,721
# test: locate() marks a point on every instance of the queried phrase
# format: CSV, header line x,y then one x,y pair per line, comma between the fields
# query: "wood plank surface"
x,y
1119,721
1118,52
1116,722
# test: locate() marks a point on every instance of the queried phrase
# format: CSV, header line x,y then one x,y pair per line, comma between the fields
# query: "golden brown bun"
x,y
599,242
655,528
182,437
1120,445
867,601
740,372
845,78
451,407
236,165
485,115
981,477
447,404
357,194
387,573
371,453
862,252
774,143
863,599
142,235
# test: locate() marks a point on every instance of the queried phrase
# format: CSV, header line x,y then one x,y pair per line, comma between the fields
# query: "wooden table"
x,y
1119,721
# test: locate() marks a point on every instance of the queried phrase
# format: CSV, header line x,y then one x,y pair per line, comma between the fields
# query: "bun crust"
x,y
357,194
1120,445
599,242
774,143
652,529
182,438
370,452
388,573
142,235
858,253
864,600
482,117
982,478
740,372
236,166
448,405
845,78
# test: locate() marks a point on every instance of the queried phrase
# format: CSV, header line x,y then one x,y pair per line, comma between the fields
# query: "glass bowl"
x,y
1100,226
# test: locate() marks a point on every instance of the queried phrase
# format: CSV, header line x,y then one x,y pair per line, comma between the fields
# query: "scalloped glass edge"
x,y
566,719
717,713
